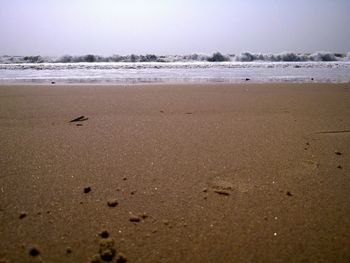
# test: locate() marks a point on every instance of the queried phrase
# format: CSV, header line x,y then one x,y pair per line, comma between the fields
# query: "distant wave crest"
x,y
216,57
292,57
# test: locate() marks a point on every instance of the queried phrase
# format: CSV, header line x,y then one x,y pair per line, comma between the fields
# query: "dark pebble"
x,y
247,79
144,216
22,215
107,255
52,82
338,153
134,219
112,203
87,189
79,124
34,252
69,250
340,167
289,193
121,258
104,234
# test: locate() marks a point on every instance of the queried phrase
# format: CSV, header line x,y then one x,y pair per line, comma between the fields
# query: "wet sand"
x,y
175,173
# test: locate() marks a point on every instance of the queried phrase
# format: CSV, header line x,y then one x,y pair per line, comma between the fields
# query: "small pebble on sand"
x,y
134,219
34,252
22,215
104,234
144,216
338,153
121,258
87,189
112,203
289,193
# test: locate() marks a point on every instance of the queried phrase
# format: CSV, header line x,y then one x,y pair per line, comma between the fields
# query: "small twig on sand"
x,y
329,132
81,118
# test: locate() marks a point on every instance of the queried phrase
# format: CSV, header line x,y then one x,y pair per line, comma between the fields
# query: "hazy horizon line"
x,y
176,54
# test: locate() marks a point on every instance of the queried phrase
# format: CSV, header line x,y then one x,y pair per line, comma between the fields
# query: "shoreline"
x,y
172,84
185,82
177,73
175,173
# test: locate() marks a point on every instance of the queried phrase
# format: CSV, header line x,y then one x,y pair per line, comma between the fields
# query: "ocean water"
x,y
176,72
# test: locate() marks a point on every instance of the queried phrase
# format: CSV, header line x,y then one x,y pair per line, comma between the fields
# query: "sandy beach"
x,y
175,173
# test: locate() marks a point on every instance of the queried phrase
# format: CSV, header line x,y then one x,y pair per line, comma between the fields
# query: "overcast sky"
x,y
106,27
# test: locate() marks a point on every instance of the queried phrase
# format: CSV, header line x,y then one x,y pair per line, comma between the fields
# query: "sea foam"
x,y
215,57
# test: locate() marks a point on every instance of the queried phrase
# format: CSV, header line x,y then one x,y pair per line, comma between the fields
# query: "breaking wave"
x,y
216,57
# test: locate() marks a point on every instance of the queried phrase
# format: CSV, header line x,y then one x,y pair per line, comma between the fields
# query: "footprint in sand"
x,y
222,187
232,182
310,165
107,251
